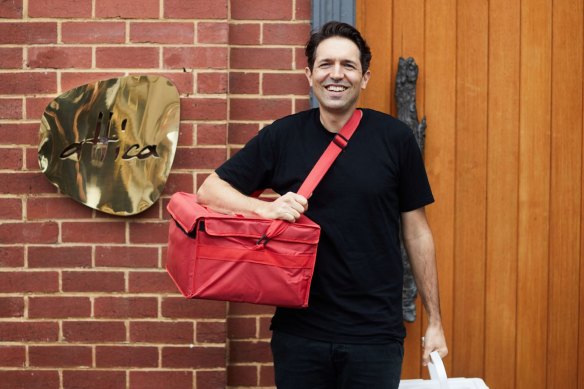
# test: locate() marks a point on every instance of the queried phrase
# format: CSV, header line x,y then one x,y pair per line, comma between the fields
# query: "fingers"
x,y
289,207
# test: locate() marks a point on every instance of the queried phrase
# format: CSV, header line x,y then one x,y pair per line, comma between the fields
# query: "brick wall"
x,y
84,299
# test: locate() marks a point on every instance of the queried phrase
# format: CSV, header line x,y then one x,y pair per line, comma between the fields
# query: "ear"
x,y
308,74
365,79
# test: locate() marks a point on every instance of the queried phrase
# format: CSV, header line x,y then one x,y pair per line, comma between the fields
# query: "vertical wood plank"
x,y
408,41
470,215
534,186
440,110
565,200
373,21
502,186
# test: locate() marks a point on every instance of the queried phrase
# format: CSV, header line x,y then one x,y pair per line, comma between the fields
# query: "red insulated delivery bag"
x,y
245,259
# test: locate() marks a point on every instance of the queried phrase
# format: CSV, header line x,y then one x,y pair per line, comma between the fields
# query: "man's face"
x,y
337,77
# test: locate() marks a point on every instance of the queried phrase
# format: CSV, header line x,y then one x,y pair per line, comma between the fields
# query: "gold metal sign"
x,y
110,144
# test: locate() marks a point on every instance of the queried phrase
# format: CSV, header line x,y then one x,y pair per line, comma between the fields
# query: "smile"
x,y
336,88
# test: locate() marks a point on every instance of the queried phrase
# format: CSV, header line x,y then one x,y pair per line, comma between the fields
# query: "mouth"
x,y
336,88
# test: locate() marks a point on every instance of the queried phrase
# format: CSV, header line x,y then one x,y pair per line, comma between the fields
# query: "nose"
x,y
337,72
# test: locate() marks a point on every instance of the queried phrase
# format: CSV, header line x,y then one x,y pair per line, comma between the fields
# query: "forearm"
x,y
419,245
222,197
422,259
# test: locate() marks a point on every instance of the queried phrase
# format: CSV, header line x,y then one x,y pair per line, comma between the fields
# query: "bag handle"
x,y
437,370
338,144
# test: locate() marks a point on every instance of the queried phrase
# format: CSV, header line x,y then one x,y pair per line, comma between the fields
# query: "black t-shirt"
x,y
356,291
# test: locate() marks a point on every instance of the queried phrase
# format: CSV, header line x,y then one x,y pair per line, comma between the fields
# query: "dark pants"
x,y
301,363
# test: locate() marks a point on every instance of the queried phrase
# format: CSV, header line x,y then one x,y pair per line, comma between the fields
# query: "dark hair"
x,y
343,30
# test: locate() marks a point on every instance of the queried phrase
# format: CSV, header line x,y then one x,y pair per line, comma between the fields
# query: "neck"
x,y
334,121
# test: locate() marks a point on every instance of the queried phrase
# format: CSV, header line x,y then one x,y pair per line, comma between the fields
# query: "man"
x,y
351,335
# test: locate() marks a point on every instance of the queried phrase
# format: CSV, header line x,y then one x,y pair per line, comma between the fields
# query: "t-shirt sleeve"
x,y
414,188
252,167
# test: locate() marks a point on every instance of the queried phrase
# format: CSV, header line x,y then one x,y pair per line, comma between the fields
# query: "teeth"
x,y
336,88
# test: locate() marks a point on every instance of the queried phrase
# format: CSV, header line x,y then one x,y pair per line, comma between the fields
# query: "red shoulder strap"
x,y
323,164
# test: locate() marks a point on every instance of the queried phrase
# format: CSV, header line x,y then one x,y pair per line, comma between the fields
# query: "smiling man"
x,y
351,335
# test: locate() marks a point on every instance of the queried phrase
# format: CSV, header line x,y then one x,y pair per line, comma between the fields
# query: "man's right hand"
x,y
288,207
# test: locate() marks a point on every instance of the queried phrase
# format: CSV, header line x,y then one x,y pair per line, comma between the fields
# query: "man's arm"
x,y
222,197
420,247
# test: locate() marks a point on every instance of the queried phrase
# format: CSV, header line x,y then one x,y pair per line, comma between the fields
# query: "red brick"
x,y
93,281
11,256
151,282
93,32
71,80
261,9
242,375
259,109
19,33
11,108
35,107
241,327
211,379
200,9
29,331
125,256
126,307
11,306
162,332
195,57
60,356
59,8
11,159
94,232
155,232
129,9
179,182
183,81
25,183
29,232
10,209
59,307
28,82
211,332
241,133
242,309
199,158
264,332
244,351
303,9
286,34
211,134
193,357
244,83
301,104
261,58
31,158
212,32
59,57
56,208
162,32
93,379
122,356
209,83
267,375
23,281
11,9
203,109
285,84
94,331
186,135
244,34
11,58
29,379
12,356
59,256
127,57
181,308
160,379
300,61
